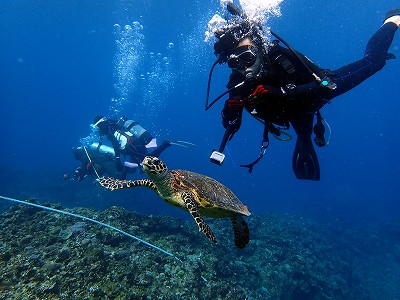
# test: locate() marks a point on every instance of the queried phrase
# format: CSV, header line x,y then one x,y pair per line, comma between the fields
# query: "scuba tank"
x,y
102,149
138,131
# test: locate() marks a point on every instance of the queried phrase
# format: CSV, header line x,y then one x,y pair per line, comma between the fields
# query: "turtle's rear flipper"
x,y
193,209
116,184
241,232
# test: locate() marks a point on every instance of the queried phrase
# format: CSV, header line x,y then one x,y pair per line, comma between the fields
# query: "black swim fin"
x,y
305,161
390,56
391,13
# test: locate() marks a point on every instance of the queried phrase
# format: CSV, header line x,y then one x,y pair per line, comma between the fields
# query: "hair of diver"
x,y
93,221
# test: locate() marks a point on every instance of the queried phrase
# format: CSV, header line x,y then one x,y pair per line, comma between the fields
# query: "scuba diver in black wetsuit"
x,y
132,140
280,86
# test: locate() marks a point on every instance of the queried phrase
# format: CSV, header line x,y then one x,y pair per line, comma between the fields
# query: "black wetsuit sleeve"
x,y
351,75
311,90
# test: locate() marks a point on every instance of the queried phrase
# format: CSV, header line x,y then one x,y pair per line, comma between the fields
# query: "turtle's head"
x,y
154,167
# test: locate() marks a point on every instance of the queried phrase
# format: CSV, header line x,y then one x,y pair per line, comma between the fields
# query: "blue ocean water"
x,y
64,62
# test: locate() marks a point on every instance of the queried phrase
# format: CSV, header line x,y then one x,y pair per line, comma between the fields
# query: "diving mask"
x,y
243,57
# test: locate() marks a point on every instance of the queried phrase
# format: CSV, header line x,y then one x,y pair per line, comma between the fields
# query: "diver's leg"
x,y
305,161
374,59
157,152
136,153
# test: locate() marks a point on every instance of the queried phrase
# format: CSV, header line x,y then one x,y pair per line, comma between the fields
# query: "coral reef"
x,y
45,255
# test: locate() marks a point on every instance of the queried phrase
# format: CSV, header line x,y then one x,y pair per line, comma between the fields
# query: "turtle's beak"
x,y
153,165
146,163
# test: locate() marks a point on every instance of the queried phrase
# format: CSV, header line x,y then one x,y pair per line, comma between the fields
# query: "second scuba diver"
x,y
132,140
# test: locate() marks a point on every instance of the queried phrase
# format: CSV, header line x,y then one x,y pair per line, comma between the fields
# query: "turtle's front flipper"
x,y
116,184
241,232
193,208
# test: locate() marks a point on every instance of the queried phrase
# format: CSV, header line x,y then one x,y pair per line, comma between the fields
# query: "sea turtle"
x,y
200,195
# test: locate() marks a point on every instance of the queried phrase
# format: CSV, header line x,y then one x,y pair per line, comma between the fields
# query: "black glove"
x,y
232,115
118,164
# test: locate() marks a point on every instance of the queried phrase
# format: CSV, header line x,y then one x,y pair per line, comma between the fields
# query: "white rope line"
x,y
88,156
90,220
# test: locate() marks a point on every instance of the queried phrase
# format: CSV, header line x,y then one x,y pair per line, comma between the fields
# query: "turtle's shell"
x,y
214,199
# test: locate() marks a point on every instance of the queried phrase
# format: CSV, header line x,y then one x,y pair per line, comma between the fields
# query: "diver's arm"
x,y
115,144
312,89
117,152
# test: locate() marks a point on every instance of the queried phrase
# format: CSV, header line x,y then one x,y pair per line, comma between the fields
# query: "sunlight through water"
x,y
258,11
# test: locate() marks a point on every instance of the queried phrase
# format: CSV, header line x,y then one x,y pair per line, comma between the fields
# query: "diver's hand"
x,y
267,90
234,104
232,115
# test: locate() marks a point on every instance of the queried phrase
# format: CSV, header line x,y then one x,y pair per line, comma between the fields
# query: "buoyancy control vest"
x,y
138,132
283,67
